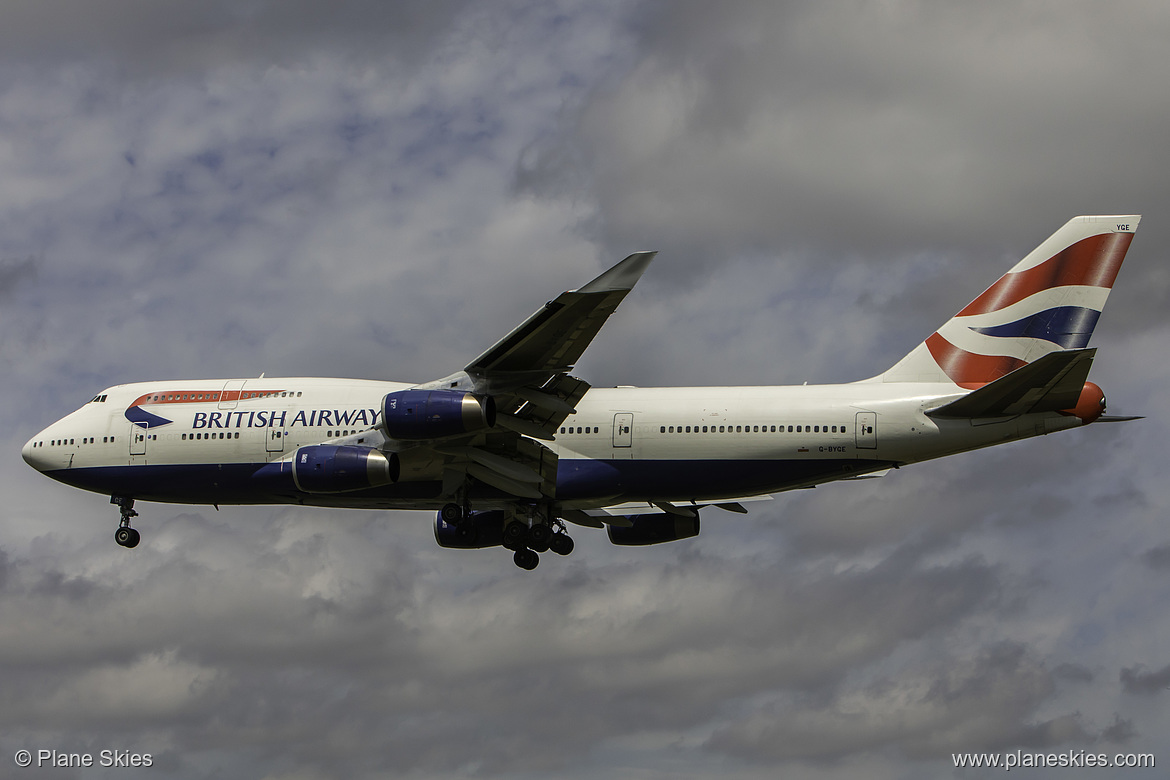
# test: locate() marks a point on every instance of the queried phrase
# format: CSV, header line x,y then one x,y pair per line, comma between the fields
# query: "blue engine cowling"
x,y
654,529
328,468
479,530
433,414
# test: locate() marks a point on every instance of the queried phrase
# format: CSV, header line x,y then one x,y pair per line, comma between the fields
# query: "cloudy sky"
x,y
377,190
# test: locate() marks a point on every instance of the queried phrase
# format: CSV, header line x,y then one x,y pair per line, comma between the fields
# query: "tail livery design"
x,y
1049,301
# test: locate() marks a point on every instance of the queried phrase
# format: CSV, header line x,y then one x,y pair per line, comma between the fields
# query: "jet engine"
x,y
433,414
328,468
654,529
478,530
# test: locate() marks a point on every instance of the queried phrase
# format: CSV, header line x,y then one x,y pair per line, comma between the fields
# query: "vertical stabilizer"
x,y
1049,301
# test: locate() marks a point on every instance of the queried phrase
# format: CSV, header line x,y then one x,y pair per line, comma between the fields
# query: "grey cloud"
x,y
1120,732
983,702
827,183
146,37
1157,557
15,271
1135,679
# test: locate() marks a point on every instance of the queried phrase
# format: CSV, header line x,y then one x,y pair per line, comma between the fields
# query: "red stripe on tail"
x,y
1091,262
968,369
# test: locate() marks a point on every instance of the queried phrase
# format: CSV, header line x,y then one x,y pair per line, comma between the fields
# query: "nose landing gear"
x,y
125,535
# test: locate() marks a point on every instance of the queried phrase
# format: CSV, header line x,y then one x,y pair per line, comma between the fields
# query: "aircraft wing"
x,y
553,338
527,374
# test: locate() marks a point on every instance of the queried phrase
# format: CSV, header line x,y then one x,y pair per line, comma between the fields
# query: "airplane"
x,y
513,447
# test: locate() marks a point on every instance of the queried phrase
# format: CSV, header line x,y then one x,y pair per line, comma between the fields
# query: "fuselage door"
x,y
866,430
230,395
275,441
138,436
623,429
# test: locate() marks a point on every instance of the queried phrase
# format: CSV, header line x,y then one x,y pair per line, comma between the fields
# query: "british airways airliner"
x,y
511,448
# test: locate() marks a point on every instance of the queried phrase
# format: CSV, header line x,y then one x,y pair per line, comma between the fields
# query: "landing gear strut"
x,y
125,535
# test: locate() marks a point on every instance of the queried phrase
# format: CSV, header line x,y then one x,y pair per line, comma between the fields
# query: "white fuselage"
x,y
202,441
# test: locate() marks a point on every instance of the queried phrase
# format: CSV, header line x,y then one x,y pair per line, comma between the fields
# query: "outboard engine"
x,y
476,531
433,414
329,468
654,529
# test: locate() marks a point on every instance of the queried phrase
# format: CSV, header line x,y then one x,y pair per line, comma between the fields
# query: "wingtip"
x,y
622,276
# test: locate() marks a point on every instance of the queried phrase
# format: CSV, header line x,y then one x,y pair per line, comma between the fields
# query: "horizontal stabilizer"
x,y
1049,384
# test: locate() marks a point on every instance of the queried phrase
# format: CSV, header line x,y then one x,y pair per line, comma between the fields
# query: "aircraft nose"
x,y
31,454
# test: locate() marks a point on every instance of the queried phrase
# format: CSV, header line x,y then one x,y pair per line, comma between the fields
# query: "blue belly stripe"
x,y
621,480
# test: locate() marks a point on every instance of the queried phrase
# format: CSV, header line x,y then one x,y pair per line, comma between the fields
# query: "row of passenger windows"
x,y
184,437
752,429
726,429
66,442
215,396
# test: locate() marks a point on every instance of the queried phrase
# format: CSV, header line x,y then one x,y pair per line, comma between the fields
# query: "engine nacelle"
x,y
654,529
433,414
479,530
328,468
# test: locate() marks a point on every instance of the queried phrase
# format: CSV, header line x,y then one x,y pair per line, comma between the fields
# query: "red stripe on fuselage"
x,y
202,397
1091,262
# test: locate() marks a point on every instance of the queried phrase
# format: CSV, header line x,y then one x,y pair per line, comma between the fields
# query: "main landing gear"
x,y
125,535
528,540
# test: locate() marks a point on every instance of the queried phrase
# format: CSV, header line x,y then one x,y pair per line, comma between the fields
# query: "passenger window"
x,y
662,429
739,429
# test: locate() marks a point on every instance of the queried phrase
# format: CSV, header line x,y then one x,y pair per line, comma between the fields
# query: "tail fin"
x,y
1049,301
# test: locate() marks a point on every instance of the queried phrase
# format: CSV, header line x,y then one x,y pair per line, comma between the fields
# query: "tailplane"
x,y
1049,301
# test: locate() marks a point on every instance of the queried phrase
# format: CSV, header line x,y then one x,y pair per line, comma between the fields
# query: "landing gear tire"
x,y
516,537
539,536
526,559
451,513
561,544
127,537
